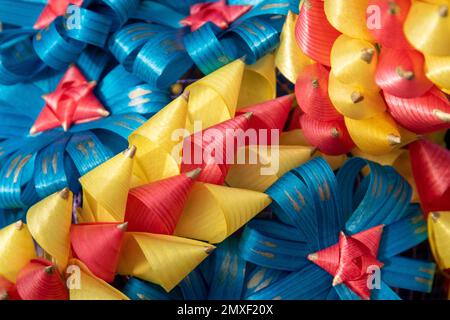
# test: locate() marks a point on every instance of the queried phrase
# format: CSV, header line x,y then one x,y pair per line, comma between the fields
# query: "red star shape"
x,y
72,102
219,13
53,10
349,260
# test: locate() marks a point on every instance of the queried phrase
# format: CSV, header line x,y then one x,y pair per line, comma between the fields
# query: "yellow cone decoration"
x,y
49,223
438,71
214,212
427,28
349,17
161,259
155,142
267,166
354,101
258,82
289,58
354,61
16,249
105,189
439,237
84,285
213,99
377,135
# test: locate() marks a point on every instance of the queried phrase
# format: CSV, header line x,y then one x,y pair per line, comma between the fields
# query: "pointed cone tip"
x,y
357,97
130,152
33,130
19,225
64,193
248,115
209,250
4,296
443,11
394,140
194,174
435,216
337,281
123,226
441,115
103,112
186,95
49,269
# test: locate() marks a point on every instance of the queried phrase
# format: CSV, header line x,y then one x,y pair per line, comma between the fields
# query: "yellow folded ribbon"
x,y
437,69
16,249
354,101
427,28
212,212
263,167
289,58
84,285
49,223
349,17
377,135
156,140
105,189
258,82
354,62
161,259
439,237
214,98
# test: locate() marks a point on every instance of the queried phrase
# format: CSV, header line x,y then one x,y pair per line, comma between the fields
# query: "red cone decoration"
x,y
311,91
401,73
214,149
314,34
8,290
72,102
157,207
431,170
40,280
270,115
349,260
98,246
425,114
392,16
330,137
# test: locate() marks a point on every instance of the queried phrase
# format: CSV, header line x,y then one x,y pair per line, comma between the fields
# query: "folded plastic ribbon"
x,y
161,51
378,224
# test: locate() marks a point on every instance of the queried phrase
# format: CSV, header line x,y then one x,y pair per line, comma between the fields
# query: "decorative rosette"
x,y
368,85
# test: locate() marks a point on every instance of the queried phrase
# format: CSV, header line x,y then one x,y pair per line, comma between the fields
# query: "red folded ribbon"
x,y
214,149
219,13
72,102
40,280
311,90
8,290
157,207
351,260
98,246
53,10
314,34
431,171
330,137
